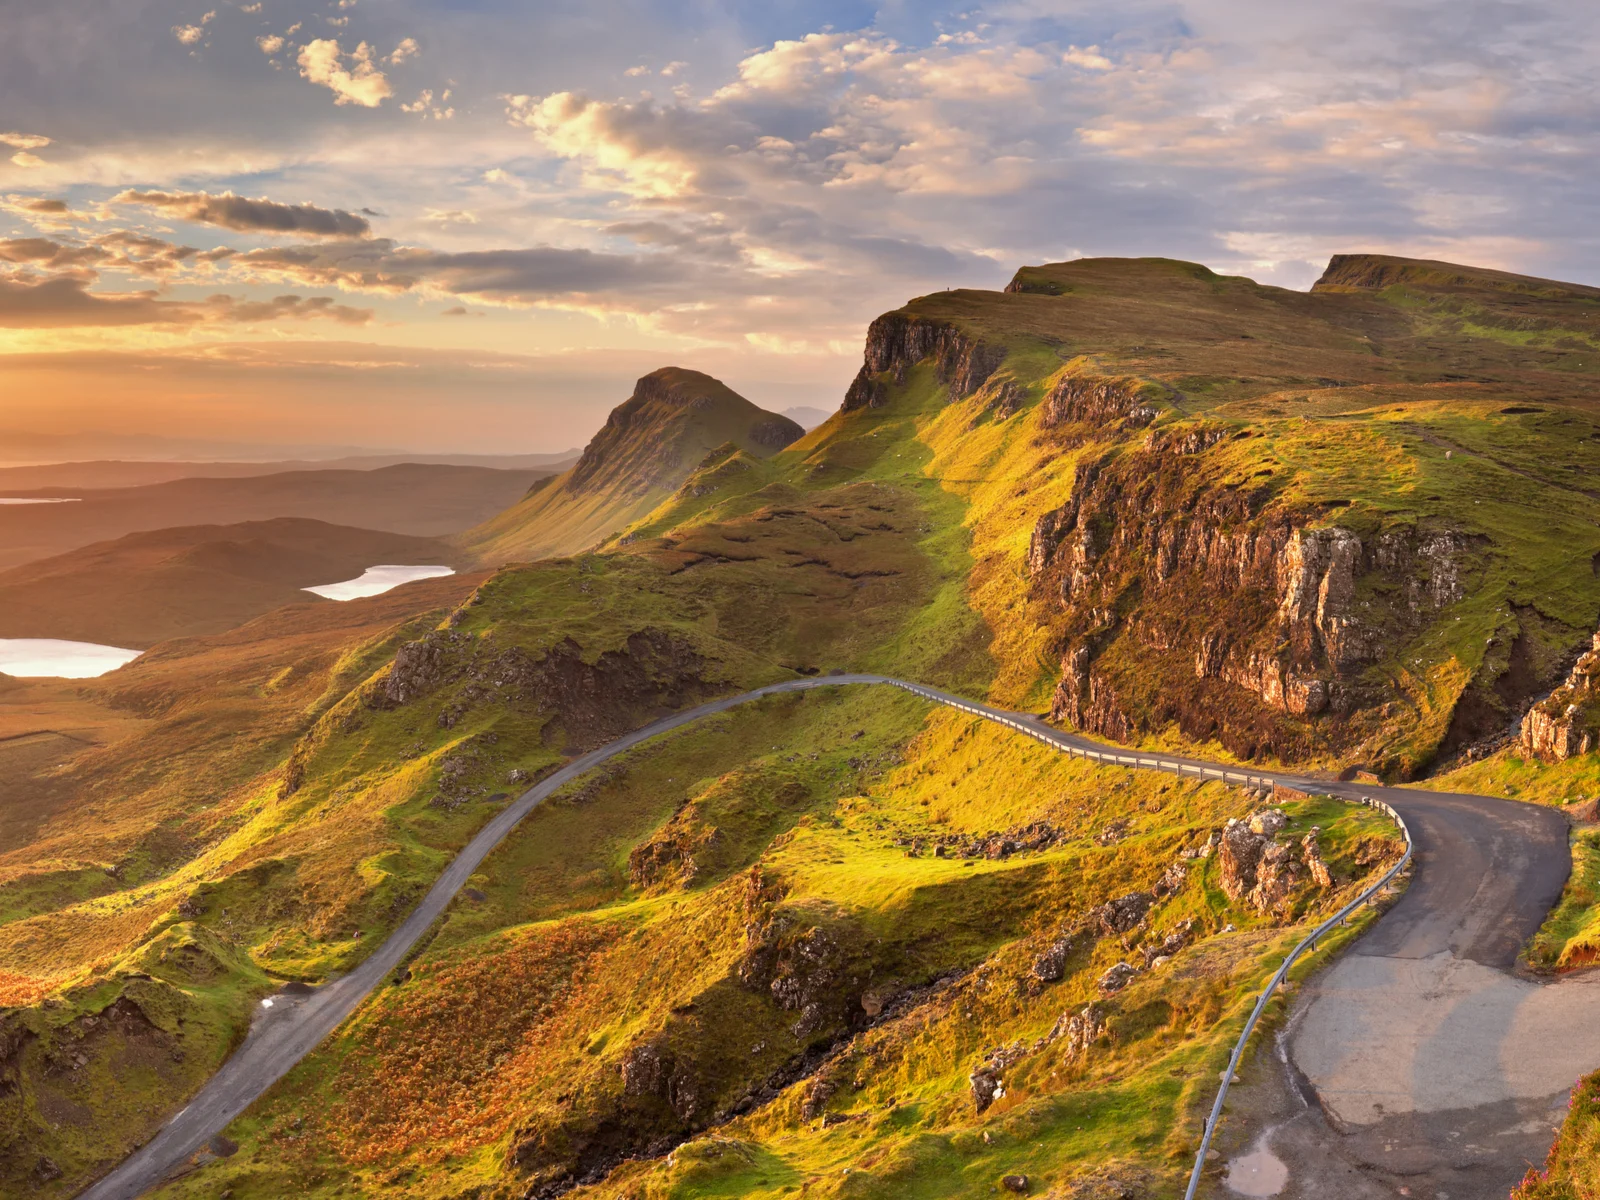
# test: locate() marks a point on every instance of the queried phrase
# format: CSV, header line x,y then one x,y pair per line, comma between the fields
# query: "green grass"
x,y
890,539
871,770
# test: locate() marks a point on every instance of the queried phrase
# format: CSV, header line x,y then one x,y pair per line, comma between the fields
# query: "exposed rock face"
x,y
1315,863
988,1079
652,1070
896,342
669,856
1121,915
1567,722
816,972
1117,977
1101,403
1185,596
1051,966
1083,1029
1262,872
640,438
594,701
419,667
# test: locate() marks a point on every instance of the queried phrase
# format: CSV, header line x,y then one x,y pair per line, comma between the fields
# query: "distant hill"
x,y
118,473
650,444
419,499
191,580
807,417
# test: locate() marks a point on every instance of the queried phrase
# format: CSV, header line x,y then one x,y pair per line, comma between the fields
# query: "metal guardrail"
x,y
1310,941
1246,779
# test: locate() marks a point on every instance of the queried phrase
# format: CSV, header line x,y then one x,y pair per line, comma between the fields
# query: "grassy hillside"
x,y
193,580
648,447
782,950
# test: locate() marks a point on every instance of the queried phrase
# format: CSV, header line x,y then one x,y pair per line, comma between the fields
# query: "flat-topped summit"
x,y
1374,272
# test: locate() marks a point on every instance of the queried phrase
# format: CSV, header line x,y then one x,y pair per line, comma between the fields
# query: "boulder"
x,y
1314,860
1267,822
1120,915
1050,966
1117,977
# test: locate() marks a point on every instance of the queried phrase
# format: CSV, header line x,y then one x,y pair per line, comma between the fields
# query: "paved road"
x,y
1488,871
1421,1059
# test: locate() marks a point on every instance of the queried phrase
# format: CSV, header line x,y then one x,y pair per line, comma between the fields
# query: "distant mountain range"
x,y
424,500
117,473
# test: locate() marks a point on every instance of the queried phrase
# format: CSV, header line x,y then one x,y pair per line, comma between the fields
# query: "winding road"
x,y
1488,871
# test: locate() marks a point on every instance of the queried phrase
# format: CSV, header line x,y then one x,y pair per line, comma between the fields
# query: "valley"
x,y
419,500
546,912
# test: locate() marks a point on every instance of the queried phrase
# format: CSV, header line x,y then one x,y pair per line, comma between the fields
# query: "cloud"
x,y
270,43
40,206
407,49
362,83
425,106
279,308
62,301
122,250
189,35
46,284
527,276
24,141
23,159
250,216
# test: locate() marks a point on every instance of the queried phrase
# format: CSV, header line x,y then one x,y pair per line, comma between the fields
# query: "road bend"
x,y
1488,871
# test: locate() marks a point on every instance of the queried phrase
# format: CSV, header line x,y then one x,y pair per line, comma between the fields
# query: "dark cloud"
x,y
251,216
512,276
64,301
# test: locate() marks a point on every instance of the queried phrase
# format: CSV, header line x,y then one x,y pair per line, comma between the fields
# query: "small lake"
x,y
375,581
41,499
26,658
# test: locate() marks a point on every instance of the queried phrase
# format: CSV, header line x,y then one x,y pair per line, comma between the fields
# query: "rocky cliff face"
x,y
1262,617
1567,722
896,342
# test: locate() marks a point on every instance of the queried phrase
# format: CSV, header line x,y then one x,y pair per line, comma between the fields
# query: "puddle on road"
x,y
1259,1172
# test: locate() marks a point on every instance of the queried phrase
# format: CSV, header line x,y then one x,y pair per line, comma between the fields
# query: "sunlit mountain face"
x,y
405,225
618,599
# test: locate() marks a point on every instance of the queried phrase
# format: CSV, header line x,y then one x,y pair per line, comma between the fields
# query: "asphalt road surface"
x,y
1487,872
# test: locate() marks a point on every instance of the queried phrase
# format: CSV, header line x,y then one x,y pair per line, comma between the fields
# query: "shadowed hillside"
x,y
839,944
648,447
194,579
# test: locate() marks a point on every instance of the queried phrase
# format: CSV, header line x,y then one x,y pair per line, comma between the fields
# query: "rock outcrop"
x,y
593,701
1566,722
1095,402
1256,869
1182,595
896,342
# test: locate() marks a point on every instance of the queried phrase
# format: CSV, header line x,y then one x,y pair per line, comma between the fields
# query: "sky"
x,y
468,225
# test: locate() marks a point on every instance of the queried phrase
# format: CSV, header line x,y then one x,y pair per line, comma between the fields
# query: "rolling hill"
x,y
194,579
122,473
648,447
423,500
783,951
